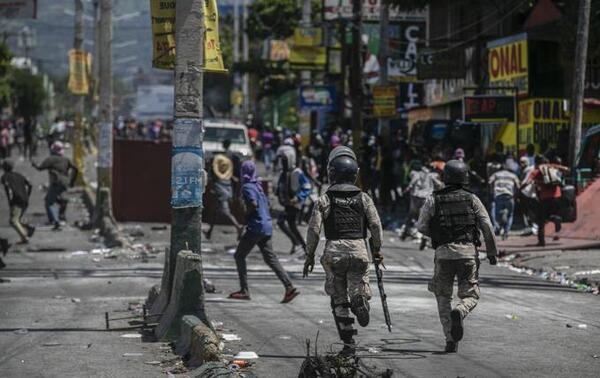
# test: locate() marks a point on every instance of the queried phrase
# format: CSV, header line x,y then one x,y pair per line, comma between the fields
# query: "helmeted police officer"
x,y
453,218
346,213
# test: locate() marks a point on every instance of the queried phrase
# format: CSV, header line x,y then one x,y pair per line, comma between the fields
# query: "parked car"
x,y
218,130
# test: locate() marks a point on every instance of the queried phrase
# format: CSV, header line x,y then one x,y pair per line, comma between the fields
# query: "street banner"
x,y
441,64
342,9
79,72
384,101
278,50
15,9
213,60
105,141
307,37
317,97
492,109
162,14
308,58
508,63
187,180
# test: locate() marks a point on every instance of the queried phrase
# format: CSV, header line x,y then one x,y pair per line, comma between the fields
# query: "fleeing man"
x,y
18,191
259,231
61,176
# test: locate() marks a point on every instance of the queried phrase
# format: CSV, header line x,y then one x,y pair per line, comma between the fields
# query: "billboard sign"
x,y
321,97
508,63
342,9
489,109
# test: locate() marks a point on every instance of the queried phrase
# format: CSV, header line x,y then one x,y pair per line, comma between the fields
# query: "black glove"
x,y
492,260
377,257
309,265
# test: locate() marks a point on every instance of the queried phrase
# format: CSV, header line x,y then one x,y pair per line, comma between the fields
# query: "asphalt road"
x,y
518,329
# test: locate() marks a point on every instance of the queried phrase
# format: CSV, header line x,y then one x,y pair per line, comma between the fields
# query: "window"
x,y
219,134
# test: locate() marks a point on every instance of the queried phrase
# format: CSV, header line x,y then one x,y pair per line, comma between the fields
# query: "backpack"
x,y
550,175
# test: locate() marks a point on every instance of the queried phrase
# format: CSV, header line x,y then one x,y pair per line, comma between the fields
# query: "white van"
x,y
218,130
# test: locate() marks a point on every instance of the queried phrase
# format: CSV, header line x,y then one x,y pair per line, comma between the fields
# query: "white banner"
x,y
336,9
13,9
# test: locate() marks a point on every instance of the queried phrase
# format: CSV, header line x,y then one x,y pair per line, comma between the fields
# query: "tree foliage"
x,y
27,92
5,57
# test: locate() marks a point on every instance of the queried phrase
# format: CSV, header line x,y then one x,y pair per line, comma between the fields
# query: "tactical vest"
x,y
454,220
347,218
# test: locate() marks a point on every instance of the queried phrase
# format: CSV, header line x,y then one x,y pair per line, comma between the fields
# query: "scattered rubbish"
x,y
240,363
95,259
285,337
209,287
3,280
22,331
231,337
231,251
136,232
207,250
246,355
234,367
170,375
75,300
582,326
99,251
158,228
587,272
217,325
392,240
152,362
321,321
79,253
595,356
132,335
58,297
511,316
132,355
51,344
562,267
374,350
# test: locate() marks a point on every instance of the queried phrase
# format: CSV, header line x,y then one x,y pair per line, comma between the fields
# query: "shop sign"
x,y
489,109
508,63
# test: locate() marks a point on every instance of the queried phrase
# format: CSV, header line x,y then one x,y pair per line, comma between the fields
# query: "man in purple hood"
x,y
259,231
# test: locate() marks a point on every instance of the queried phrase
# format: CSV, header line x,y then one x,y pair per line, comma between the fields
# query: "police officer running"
x,y
453,217
346,214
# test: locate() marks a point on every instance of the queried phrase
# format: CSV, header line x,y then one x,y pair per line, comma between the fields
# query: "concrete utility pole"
x,y
246,57
104,171
384,123
356,68
583,29
188,155
95,58
78,155
236,52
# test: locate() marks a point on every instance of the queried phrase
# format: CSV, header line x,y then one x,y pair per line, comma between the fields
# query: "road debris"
x,y
231,337
131,335
246,355
51,344
511,317
152,362
132,354
75,300
22,331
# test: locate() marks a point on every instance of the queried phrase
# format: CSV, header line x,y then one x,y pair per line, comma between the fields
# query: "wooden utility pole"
x,y
356,68
187,160
583,28
384,37
78,155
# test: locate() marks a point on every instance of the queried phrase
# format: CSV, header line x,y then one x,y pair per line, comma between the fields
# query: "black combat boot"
x,y
4,246
360,308
457,325
451,347
349,343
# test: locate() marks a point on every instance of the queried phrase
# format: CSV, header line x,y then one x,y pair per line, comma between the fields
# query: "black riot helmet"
x,y
342,167
456,172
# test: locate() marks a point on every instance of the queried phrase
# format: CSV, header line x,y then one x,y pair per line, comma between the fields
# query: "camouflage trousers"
x,y
346,276
466,272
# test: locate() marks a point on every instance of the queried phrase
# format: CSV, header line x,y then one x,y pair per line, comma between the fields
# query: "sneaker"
x,y
22,242
289,295
30,231
457,325
360,308
451,347
56,227
2,264
242,295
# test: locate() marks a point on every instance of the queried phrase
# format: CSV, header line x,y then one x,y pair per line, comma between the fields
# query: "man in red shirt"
x,y
548,192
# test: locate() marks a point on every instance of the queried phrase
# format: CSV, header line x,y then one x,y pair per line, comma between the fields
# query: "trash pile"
x,y
581,284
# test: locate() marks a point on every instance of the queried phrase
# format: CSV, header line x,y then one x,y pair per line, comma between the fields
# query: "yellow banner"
x,y
310,58
308,37
162,13
384,101
213,60
163,35
508,65
79,72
